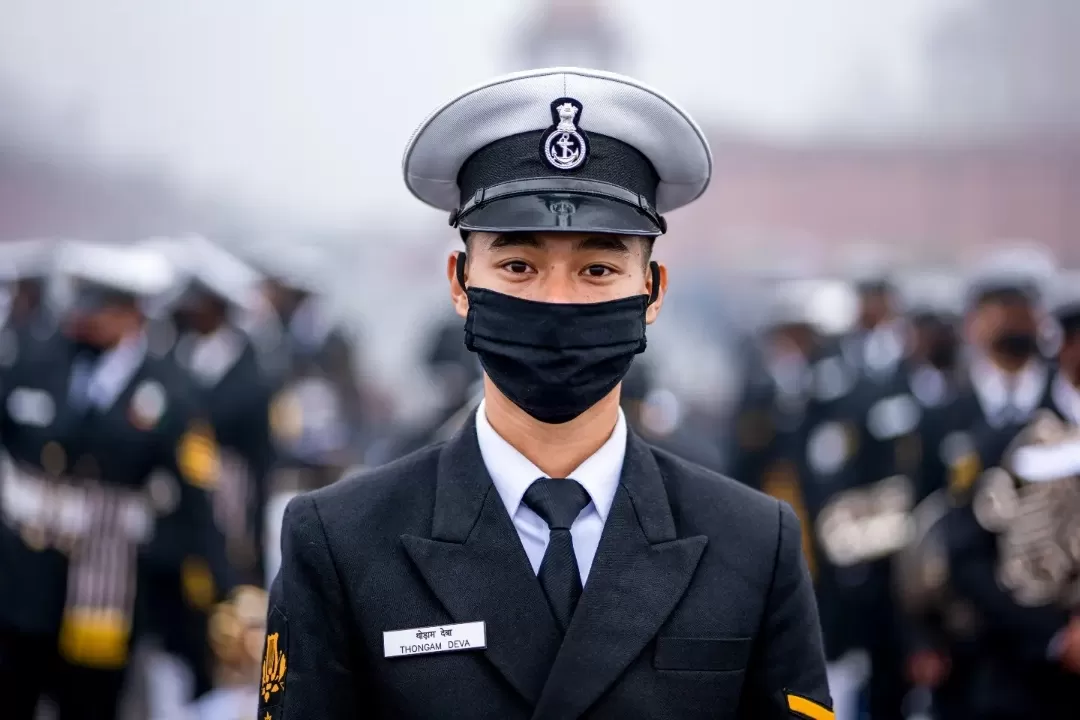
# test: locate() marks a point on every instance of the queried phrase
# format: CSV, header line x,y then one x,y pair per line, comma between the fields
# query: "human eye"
x,y
516,267
598,271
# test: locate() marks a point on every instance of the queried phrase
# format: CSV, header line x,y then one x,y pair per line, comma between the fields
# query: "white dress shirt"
x,y
513,473
101,383
1000,394
1067,399
212,356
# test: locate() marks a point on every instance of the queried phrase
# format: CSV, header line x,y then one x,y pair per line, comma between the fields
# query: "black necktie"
x,y
559,502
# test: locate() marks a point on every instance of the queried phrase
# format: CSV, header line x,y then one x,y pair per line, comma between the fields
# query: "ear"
x,y
655,285
457,292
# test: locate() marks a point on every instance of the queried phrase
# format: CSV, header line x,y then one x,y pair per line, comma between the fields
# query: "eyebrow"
x,y
516,239
524,239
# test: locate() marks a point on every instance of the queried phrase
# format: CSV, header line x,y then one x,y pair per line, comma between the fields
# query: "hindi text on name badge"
x,y
435,639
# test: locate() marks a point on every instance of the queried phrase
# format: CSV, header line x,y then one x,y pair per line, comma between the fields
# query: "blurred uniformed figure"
x,y
453,372
25,268
1003,386
1011,555
232,387
796,435
863,526
878,342
316,413
1004,376
655,414
777,385
102,444
933,306
572,570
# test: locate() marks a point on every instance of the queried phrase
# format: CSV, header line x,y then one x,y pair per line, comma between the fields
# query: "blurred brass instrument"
x,y
1031,502
867,523
237,632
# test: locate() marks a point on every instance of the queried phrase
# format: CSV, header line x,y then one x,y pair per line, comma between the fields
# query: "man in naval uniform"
x,y
25,266
1005,377
876,345
1004,386
545,562
1010,558
221,361
101,444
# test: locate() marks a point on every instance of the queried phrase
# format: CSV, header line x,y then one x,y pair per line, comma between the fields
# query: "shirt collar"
x,y
512,473
115,369
993,386
213,355
1066,398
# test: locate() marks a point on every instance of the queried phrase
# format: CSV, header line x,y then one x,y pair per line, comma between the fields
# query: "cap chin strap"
x,y
654,268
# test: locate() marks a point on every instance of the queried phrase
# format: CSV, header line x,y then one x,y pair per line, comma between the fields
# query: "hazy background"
x,y
921,130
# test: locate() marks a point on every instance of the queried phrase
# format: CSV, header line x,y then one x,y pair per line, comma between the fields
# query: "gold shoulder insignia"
x,y
197,582
963,472
197,456
273,669
807,709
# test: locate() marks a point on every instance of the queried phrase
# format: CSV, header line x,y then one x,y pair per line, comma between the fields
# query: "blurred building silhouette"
x,y
1004,66
935,201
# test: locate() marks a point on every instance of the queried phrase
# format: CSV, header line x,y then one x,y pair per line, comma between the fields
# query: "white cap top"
x,y
607,104
139,271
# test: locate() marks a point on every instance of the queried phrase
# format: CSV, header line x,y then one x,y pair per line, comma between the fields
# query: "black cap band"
x,y
507,186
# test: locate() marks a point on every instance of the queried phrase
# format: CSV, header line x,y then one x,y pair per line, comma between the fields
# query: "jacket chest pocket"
x,y
701,654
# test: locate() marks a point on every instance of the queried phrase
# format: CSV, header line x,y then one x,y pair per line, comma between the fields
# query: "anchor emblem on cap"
x,y
565,146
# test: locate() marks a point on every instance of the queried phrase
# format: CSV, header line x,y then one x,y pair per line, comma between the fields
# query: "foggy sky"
x,y
306,106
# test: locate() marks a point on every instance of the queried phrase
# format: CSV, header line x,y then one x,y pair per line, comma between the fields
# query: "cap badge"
x,y
565,146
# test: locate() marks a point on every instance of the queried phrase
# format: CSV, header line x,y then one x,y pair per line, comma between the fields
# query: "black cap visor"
x,y
89,299
560,212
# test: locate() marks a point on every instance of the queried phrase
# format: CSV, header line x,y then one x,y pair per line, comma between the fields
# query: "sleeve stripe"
x,y
804,708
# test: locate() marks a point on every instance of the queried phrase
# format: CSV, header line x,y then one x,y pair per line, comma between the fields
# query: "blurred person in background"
x,y
104,444
1003,382
800,435
317,409
864,525
655,414
878,342
454,374
221,360
25,268
571,577
1010,555
1004,377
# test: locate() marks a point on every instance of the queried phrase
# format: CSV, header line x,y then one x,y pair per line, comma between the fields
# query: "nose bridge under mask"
x,y
554,360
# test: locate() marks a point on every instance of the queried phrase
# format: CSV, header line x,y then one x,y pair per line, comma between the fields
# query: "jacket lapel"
x,y
475,565
640,573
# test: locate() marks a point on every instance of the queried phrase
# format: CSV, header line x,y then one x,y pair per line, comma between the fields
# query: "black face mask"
x,y
554,360
1016,345
943,355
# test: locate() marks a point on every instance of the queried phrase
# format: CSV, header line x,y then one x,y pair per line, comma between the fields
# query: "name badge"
x,y
439,638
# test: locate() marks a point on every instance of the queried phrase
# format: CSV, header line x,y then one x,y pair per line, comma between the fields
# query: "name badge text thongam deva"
x,y
435,639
